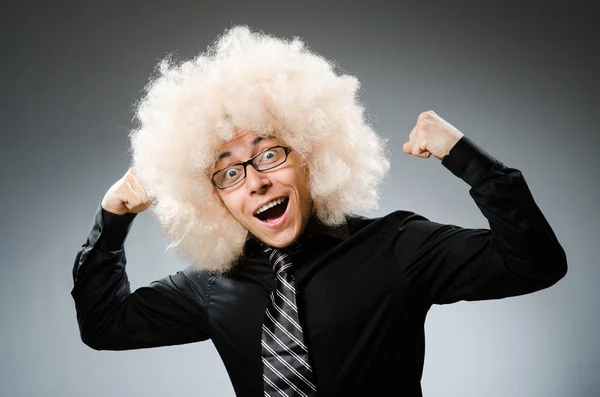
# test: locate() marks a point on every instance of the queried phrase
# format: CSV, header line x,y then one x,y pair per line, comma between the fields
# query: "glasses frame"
x,y
286,149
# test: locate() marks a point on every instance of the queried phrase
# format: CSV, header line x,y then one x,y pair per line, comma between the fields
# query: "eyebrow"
x,y
227,154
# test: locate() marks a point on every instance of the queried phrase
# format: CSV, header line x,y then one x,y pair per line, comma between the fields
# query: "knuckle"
x,y
428,114
135,201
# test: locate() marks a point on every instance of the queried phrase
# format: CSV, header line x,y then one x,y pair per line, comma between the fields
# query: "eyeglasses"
x,y
263,161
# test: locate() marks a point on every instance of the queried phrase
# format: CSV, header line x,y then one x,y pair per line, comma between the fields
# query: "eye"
x,y
267,156
231,173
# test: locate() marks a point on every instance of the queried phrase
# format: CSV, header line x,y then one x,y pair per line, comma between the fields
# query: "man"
x,y
254,157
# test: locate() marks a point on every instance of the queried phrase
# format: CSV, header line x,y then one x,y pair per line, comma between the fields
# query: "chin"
x,y
282,240
279,238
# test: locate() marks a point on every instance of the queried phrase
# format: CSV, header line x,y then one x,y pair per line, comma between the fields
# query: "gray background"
x,y
519,79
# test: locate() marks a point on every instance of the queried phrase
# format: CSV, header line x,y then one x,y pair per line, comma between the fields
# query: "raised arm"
x,y
518,254
169,311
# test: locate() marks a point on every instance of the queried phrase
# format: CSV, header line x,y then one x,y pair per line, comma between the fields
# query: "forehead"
x,y
242,144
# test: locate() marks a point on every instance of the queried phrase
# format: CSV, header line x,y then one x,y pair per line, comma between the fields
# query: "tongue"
x,y
274,212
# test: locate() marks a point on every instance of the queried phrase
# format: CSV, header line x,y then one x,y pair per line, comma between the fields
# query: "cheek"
x,y
226,201
303,188
305,181
217,197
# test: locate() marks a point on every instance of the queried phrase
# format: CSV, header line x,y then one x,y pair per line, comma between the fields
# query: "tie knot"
x,y
281,259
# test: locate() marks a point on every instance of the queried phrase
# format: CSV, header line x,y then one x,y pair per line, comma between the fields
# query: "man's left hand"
x,y
432,135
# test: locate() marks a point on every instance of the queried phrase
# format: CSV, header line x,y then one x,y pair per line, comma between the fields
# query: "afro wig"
x,y
257,82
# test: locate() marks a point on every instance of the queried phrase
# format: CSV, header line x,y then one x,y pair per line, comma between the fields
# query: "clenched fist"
x,y
432,135
126,196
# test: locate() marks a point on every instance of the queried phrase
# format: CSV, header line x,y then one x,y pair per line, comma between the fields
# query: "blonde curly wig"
x,y
257,82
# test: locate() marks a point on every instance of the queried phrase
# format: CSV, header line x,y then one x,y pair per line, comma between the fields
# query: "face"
x,y
286,184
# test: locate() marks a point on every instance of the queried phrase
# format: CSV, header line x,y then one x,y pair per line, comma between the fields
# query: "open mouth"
x,y
274,212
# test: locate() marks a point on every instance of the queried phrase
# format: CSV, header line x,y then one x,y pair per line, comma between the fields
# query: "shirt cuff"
x,y
468,161
110,230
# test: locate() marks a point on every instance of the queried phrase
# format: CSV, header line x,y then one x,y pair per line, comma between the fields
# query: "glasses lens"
x,y
270,158
229,176
265,160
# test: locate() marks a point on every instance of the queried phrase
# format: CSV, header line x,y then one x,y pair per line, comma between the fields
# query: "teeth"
x,y
269,205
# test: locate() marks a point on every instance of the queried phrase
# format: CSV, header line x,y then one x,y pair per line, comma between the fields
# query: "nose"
x,y
256,182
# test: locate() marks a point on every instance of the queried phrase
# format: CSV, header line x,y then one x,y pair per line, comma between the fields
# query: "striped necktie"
x,y
286,366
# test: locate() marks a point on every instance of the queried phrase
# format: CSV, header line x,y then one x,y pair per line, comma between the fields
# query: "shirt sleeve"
x,y
518,254
169,311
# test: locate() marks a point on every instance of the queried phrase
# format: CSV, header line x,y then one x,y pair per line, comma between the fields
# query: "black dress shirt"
x,y
364,288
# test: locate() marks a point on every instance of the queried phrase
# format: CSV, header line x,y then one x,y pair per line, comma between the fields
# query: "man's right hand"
x,y
126,196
